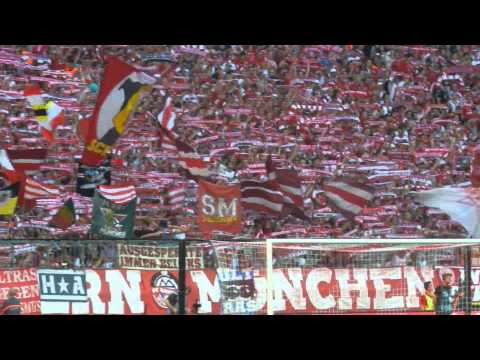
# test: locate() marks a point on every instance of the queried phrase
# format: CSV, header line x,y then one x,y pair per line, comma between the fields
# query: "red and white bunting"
x,y
118,194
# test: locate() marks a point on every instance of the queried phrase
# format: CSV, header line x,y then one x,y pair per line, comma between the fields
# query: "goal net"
x,y
354,276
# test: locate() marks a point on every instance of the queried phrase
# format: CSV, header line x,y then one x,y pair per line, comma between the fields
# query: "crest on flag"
x,y
114,213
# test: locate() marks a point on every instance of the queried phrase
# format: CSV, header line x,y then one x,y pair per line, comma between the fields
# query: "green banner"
x,y
111,220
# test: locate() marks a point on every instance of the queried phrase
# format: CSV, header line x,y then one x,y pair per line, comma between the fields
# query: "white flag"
x,y
461,204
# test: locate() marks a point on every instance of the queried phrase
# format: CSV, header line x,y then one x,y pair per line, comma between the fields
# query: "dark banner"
x,y
89,177
112,221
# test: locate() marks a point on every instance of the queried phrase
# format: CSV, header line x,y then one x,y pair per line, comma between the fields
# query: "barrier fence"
x,y
220,277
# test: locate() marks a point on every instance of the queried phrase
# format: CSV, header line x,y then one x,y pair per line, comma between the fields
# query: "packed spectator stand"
x,y
398,118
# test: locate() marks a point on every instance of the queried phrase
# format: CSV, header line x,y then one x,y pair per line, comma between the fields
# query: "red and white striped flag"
x,y
167,116
31,191
288,182
35,190
28,160
262,196
118,194
176,196
349,198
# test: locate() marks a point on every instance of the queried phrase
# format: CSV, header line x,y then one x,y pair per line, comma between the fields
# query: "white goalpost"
x,y
365,276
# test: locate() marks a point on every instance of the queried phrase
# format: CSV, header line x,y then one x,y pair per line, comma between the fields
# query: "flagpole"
x,y
468,279
182,254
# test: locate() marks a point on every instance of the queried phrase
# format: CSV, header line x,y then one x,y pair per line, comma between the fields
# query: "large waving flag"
x,y
48,114
288,182
347,197
262,196
461,204
120,91
290,185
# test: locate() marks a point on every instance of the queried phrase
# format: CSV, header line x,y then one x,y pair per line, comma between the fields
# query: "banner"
x,y
323,290
218,208
113,220
89,177
296,290
25,281
156,257
118,292
59,286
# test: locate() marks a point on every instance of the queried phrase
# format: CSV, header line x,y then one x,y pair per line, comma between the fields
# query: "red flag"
x,y
219,208
262,196
119,93
27,160
290,185
288,181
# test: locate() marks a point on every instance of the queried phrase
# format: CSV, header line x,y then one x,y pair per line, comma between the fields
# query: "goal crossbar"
x,y
408,241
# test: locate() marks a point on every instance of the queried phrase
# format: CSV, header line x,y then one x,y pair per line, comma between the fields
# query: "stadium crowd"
x,y
398,118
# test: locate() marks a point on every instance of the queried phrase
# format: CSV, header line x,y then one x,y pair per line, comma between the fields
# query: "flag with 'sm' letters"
x,y
219,208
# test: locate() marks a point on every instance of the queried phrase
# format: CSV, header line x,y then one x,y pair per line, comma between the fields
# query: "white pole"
x,y
269,264
374,241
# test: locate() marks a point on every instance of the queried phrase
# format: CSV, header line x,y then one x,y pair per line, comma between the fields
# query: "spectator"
x,y
11,306
445,298
427,300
